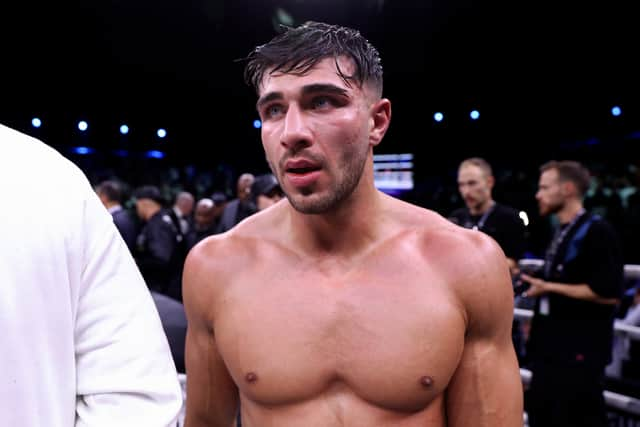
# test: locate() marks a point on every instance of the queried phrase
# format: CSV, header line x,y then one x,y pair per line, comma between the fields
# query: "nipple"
x,y
251,377
426,381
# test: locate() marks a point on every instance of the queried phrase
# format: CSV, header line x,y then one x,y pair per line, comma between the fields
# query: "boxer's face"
x,y
317,133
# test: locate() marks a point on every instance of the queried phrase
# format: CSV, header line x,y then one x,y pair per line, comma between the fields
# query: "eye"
x,y
272,111
321,102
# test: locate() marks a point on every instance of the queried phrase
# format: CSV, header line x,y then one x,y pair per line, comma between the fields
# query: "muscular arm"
x,y
486,387
212,395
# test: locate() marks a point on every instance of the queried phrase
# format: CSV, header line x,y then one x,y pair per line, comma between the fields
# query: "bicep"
x,y
212,396
486,386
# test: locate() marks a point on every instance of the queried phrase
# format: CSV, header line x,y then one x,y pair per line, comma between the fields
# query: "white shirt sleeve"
x,y
125,373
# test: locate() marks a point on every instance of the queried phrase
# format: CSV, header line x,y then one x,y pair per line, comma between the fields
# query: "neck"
x,y
346,229
110,204
569,211
483,208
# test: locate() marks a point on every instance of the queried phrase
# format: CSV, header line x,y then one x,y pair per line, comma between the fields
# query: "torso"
x,y
326,344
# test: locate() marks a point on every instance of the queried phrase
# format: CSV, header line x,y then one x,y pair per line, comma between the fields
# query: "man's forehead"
x,y
469,172
326,69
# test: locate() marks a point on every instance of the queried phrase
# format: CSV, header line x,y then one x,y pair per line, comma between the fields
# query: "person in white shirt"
x,y
82,342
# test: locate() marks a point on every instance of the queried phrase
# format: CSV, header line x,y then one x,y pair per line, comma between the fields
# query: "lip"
x,y
302,180
300,163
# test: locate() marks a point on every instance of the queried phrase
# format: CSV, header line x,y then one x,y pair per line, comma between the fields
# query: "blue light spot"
x,y
155,154
82,150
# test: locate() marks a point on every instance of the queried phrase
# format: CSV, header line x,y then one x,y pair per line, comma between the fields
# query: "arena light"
x,y
616,111
124,129
162,133
257,124
82,125
438,117
474,114
524,217
154,154
82,150
36,122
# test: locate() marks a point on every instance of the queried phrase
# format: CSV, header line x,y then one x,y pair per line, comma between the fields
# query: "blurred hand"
x,y
538,286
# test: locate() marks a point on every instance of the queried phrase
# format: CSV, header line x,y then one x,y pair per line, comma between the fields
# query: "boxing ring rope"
x,y
613,400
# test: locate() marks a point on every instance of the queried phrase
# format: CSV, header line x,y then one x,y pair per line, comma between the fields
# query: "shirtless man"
x,y
339,305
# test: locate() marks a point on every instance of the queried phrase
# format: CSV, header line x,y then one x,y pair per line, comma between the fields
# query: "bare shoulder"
x,y
460,251
471,263
213,264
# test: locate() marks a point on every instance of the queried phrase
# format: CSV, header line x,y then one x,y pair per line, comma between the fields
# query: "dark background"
x,y
543,75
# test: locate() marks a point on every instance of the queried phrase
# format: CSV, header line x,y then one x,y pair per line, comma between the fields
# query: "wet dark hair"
x,y
297,50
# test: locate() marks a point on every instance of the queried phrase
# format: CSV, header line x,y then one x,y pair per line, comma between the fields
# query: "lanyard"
x,y
561,233
483,218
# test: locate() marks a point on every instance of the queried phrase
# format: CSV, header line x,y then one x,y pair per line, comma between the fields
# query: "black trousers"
x,y
566,395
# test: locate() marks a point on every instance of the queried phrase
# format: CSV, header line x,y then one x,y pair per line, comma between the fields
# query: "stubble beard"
x,y
312,203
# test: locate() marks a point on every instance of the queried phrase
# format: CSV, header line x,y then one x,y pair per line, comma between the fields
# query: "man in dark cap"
x,y
157,251
265,191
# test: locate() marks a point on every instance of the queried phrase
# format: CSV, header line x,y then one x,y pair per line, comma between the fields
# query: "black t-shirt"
x,y
576,330
503,224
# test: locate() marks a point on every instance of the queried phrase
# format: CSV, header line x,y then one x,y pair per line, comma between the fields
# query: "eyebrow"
x,y
271,96
306,90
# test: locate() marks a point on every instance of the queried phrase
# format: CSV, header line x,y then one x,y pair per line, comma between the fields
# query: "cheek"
x,y
269,142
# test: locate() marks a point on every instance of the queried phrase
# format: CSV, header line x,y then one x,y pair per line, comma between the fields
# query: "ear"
x,y
379,120
568,188
491,181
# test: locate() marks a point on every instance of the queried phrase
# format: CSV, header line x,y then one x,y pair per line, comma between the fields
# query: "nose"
x,y
295,133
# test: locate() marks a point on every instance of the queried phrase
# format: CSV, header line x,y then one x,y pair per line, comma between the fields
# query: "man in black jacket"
x,y
158,254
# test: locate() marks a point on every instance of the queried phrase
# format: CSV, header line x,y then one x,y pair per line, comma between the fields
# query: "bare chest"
x,y
394,343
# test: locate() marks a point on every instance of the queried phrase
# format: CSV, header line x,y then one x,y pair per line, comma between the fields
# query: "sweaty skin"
x,y
414,332
340,306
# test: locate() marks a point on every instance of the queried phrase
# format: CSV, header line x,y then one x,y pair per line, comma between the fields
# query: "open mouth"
x,y
302,170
